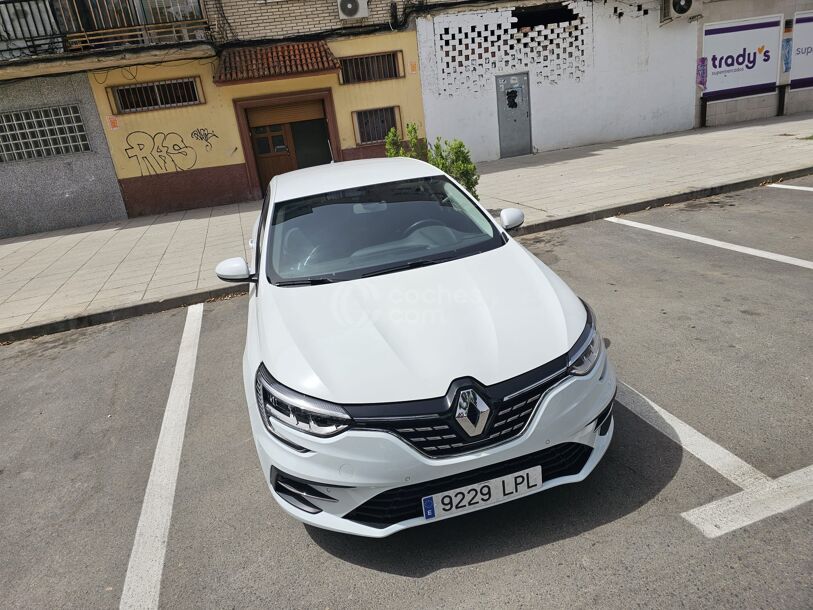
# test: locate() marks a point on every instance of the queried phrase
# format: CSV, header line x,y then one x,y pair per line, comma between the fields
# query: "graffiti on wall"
x,y
204,135
160,153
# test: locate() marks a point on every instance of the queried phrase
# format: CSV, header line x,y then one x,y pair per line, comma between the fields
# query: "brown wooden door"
x,y
272,139
274,151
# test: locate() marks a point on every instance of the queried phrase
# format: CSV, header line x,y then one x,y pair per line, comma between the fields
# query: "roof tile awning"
x,y
280,60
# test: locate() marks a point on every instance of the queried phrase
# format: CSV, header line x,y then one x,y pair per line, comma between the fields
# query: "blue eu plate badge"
x,y
429,507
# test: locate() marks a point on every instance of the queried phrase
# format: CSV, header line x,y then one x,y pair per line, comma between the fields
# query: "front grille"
x,y
440,436
404,503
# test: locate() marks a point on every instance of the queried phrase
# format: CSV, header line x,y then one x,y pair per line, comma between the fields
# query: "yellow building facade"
x,y
196,132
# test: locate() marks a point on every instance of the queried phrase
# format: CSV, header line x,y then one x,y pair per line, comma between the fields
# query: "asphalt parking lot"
x,y
701,500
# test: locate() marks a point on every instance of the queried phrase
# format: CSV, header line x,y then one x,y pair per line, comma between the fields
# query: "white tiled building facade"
x,y
598,72
595,76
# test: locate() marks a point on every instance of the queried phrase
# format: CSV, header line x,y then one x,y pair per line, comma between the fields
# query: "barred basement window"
x,y
366,68
372,126
155,95
42,132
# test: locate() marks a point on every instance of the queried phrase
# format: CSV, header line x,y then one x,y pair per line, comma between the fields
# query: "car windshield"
x,y
375,229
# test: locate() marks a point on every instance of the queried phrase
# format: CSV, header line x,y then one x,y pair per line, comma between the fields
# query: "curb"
x,y
140,309
122,313
637,206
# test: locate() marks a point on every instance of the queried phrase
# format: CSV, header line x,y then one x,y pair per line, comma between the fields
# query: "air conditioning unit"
x,y
680,9
353,9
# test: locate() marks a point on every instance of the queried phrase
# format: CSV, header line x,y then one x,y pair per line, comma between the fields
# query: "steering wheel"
x,y
419,224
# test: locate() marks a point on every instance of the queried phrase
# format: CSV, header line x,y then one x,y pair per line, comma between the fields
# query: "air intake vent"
x,y
404,503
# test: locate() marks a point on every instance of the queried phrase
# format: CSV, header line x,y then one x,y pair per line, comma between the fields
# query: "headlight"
x,y
311,415
584,354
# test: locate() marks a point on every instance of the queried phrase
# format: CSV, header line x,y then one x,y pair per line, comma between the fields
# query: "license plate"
x,y
471,497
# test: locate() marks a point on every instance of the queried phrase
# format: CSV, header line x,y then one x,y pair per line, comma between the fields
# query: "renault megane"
x,y
406,359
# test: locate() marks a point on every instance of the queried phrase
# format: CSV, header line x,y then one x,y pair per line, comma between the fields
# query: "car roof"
x,y
348,174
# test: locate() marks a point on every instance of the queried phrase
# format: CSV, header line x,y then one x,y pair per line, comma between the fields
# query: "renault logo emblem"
x,y
471,412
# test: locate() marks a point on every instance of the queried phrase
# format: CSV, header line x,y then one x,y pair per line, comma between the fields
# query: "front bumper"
x,y
356,466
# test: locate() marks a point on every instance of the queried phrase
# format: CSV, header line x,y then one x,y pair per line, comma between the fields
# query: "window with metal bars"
x,y
155,95
42,132
367,68
372,126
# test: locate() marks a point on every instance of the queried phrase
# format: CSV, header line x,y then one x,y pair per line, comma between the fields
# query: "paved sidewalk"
x,y
550,186
79,274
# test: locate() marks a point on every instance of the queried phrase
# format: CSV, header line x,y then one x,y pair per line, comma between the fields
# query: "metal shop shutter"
x,y
288,113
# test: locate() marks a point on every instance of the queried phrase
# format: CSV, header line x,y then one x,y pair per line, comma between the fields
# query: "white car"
x,y
406,360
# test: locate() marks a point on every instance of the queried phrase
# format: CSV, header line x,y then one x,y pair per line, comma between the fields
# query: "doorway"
x,y
300,131
286,137
514,115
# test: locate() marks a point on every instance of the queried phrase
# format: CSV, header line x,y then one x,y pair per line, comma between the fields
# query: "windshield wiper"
x,y
410,265
310,281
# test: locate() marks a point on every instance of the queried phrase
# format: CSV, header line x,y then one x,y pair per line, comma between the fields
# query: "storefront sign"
x,y
743,56
801,74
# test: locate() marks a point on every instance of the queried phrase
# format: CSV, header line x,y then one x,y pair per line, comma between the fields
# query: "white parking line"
x,y
142,584
702,447
761,497
790,260
752,505
791,187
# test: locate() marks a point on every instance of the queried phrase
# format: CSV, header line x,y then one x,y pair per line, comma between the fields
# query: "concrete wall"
x,y
65,190
612,77
751,108
799,100
725,10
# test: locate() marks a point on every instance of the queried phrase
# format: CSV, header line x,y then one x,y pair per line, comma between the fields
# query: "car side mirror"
x,y
234,270
511,218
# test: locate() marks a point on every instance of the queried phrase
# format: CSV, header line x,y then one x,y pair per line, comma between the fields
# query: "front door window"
x,y
273,150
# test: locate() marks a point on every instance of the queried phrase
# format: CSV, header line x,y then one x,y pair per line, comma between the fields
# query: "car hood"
x,y
408,335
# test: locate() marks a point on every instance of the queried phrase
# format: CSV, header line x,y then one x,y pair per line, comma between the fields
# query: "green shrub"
x,y
393,144
451,157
